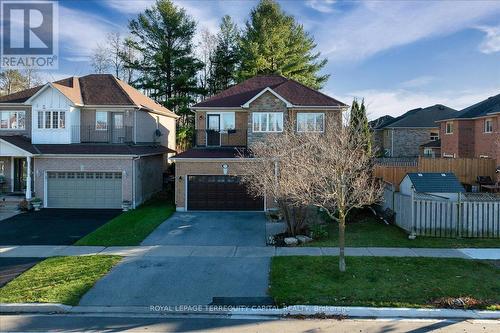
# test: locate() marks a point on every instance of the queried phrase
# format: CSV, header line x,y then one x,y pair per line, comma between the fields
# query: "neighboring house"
x,y
431,149
402,136
474,132
84,142
443,185
207,176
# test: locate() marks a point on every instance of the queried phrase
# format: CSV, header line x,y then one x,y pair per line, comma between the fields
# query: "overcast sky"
x,y
398,55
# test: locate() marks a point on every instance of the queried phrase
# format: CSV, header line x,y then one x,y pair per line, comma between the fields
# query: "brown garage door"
x,y
220,193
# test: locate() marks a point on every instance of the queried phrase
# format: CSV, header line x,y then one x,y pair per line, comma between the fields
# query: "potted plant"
x,y
126,205
36,203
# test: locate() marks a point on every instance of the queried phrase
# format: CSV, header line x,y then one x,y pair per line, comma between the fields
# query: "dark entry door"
x,y
213,130
220,193
19,174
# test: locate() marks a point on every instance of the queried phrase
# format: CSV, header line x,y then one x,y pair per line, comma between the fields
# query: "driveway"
x,y
211,228
189,280
12,267
53,226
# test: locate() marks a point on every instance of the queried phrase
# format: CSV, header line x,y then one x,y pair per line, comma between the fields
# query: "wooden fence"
x,y
466,169
424,215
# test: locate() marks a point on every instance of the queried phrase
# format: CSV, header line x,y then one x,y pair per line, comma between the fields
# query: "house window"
x,y
267,121
434,136
488,126
101,120
51,119
449,127
428,152
227,121
13,120
310,122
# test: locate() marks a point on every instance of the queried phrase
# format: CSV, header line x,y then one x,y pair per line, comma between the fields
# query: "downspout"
x,y
392,142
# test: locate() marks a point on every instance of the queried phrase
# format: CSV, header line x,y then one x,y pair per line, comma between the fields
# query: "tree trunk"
x,y
341,241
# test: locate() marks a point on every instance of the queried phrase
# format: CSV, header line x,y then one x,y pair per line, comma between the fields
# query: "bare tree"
x,y
277,172
206,48
100,59
11,81
115,45
340,176
330,170
32,77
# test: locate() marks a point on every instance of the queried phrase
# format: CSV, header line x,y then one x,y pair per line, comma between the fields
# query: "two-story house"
x,y
474,132
84,142
403,136
208,175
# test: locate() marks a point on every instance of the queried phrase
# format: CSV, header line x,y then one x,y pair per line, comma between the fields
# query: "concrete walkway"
x,y
43,251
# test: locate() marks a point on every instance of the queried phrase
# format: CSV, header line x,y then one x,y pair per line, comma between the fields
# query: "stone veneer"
x,y
407,141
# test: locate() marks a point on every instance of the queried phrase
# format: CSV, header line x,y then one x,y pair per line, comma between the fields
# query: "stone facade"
x,y
187,168
148,178
267,102
404,142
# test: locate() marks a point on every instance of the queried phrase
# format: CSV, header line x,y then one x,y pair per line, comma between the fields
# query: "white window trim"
x,y
17,117
486,122
44,123
434,135
107,121
267,125
309,113
446,127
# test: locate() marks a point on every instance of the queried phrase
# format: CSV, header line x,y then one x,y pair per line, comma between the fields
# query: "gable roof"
x,y
381,122
292,91
421,117
483,108
434,182
94,89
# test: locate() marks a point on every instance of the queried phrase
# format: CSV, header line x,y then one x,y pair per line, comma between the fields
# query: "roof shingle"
x,y
293,91
431,182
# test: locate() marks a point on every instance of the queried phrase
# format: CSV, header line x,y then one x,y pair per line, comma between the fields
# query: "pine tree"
x,y
274,43
226,57
358,121
163,38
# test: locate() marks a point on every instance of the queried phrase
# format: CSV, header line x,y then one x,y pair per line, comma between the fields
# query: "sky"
x,y
397,55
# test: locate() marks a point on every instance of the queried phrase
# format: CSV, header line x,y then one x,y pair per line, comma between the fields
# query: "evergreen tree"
x,y
274,43
358,121
226,58
163,38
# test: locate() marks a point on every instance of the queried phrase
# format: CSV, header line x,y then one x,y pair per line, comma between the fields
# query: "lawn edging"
x,y
296,310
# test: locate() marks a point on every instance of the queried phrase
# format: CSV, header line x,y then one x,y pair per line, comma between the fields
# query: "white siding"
x,y
53,100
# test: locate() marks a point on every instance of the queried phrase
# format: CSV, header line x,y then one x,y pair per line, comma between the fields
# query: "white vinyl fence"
x,y
472,215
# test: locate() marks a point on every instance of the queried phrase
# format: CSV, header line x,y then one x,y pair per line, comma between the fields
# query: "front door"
x,y
117,128
19,174
213,130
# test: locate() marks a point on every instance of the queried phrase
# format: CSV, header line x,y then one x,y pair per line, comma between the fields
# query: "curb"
x,y
304,310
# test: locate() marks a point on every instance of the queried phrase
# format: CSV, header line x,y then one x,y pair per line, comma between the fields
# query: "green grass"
x,y
367,231
57,280
131,227
382,281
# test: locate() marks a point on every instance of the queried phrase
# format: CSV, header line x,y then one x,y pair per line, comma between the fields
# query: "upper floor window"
x,y
449,127
101,120
488,126
434,136
12,120
51,119
310,122
267,121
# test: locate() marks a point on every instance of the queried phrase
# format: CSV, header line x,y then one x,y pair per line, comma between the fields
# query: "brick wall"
x,y
405,142
149,177
43,164
486,143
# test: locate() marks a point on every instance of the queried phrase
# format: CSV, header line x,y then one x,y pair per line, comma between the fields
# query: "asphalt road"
x,y
128,323
12,267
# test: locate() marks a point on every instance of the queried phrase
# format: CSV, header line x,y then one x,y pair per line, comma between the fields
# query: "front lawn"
x,y
383,281
365,230
130,228
57,280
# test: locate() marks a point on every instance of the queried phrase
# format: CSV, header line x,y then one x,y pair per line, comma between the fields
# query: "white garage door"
x,y
84,189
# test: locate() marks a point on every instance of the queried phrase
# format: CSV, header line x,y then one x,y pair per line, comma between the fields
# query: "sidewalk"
x,y
43,251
